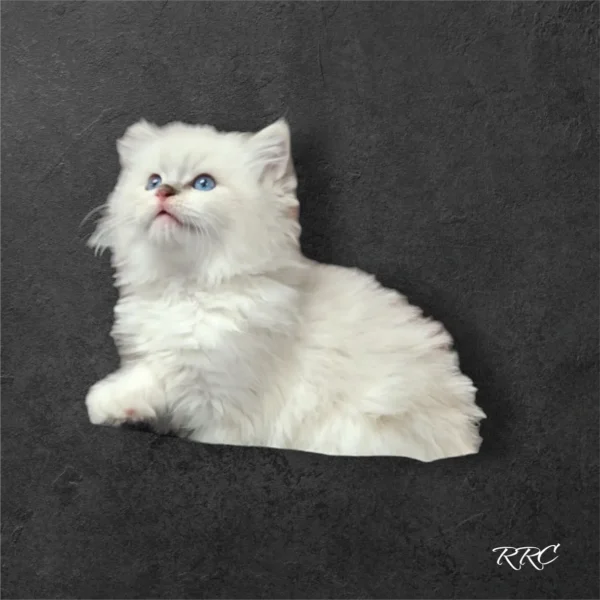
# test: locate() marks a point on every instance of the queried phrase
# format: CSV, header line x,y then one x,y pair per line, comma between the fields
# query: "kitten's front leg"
x,y
131,394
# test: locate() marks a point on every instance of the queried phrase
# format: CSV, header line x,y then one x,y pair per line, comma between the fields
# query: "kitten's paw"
x,y
111,402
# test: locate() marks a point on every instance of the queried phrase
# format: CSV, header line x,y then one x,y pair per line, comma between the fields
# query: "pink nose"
x,y
164,191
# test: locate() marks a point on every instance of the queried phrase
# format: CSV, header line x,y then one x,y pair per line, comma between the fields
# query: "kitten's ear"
x,y
271,154
135,137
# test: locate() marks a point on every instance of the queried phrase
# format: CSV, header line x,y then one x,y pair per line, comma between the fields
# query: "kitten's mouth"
x,y
163,215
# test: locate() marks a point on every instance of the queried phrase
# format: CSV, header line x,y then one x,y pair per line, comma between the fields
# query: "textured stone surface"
x,y
449,148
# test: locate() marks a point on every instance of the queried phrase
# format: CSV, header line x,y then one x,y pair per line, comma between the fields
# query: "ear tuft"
x,y
271,151
136,136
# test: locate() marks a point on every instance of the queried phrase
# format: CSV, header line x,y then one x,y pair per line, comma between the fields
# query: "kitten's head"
x,y
195,198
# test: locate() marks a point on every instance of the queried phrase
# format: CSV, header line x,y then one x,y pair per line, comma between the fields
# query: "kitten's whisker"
x,y
107,225
92,213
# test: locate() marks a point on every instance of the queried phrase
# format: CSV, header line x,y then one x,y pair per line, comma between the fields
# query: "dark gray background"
x,y
449,148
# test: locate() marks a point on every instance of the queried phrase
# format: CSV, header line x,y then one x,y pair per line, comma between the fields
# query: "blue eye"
x,y
204,183
153,182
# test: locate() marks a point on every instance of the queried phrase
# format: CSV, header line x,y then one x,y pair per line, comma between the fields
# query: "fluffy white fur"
x,y
230,335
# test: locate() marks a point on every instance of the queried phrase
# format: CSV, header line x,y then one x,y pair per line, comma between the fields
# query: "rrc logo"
x,y
517,557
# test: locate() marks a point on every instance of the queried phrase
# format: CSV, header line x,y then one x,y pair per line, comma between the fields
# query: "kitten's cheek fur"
x,y
131,394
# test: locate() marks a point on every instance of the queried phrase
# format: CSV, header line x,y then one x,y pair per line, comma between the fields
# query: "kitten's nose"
x,y
164,191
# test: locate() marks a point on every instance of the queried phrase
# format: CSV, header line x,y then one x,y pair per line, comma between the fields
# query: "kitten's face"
x,y
186,182
194,190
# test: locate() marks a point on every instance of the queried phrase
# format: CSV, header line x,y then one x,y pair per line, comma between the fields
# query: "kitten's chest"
x,y
177,323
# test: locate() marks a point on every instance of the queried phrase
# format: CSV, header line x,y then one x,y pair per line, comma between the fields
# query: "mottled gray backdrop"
x,y
451,149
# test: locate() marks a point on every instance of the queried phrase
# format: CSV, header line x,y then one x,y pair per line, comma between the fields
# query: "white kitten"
x,y
231,336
